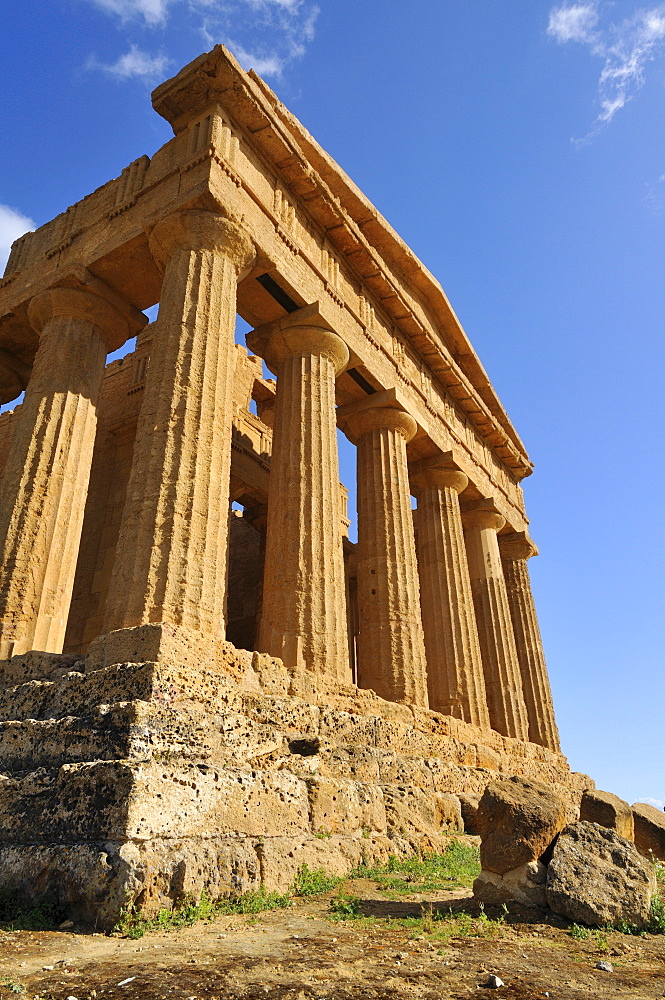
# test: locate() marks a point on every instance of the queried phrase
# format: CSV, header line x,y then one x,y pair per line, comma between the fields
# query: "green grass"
x,y
313,883
457,867
13,986
21,914
133,925
440,925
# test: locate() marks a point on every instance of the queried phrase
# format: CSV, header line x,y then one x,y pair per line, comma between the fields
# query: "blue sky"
x,y
519,148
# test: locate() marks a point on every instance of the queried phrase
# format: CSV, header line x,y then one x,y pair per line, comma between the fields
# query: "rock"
x,y
605,966
607,810
469,805
524,885
649,830
597,878
494,982
519,820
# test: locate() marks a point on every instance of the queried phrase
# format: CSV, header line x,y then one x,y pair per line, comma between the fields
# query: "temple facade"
x,y
204,683
117,481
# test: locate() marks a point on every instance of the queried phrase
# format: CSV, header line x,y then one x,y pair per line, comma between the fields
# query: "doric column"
x,y
515,550
303,618
170,563
391,648
455,679
45,481
503,681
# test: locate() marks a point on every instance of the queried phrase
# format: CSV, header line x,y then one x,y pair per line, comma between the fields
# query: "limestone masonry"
x,y
195,696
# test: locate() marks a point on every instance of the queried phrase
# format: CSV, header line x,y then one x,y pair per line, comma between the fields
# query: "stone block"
x,y
524,886
414,812
649,825
518,820
469,804
607,810
338,806
598,878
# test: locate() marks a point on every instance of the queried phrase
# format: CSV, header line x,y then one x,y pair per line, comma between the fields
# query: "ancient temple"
x,y
178,592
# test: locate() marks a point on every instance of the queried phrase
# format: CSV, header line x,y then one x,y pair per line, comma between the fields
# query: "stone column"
x,y
45,480
391,647
303,618
170,564
455,679
515,550
503,681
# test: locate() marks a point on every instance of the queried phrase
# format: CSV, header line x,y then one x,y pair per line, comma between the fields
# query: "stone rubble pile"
x,y
536,857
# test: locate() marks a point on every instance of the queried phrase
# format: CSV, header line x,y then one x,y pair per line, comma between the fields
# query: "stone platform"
x,y
141,783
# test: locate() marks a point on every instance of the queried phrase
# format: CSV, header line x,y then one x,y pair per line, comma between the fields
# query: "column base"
x,y
156,642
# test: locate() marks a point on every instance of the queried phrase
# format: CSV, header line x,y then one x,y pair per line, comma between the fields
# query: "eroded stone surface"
x,y
518,820
596,877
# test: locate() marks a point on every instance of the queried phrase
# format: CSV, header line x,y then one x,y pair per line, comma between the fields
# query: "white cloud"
x,y
658,803
626,48
573,22
265,35
12,225
153,12
134,63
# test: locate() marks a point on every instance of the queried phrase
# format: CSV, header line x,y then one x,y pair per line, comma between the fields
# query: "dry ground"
x,y
303,953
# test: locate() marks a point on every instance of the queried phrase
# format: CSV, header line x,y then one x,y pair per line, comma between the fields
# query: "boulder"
x,y
518,819
469,804
607,810
525,886
649,830
598,878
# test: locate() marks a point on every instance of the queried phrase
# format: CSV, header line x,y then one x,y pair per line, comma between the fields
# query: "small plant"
x,y
600,936
345,907
313,883
133,924
458,866
428,916
579,933
29,914
367,832
13,987
323,834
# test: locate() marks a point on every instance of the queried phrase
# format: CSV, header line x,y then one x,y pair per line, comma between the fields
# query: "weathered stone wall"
x,y
141,782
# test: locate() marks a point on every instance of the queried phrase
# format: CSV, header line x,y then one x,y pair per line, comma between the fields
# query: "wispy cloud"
x,y
625,48
153,12
265,35
12,225
133,64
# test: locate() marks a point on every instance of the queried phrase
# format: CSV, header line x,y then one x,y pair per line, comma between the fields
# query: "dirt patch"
x,y
302,953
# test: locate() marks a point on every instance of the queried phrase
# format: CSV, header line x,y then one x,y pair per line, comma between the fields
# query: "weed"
x,y
344,906
579,933
29,915
13,987
458,866
427,916
133,925
313,883
323,834
600,936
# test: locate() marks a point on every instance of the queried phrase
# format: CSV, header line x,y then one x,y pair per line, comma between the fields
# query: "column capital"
x,y
483,514
195,229
435,473
305,331
85,305
381,409
517,545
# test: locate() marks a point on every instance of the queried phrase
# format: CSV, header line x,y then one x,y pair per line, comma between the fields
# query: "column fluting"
x,y
515,550
170,563
303,615
391,647
45,480
503,682
455,678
